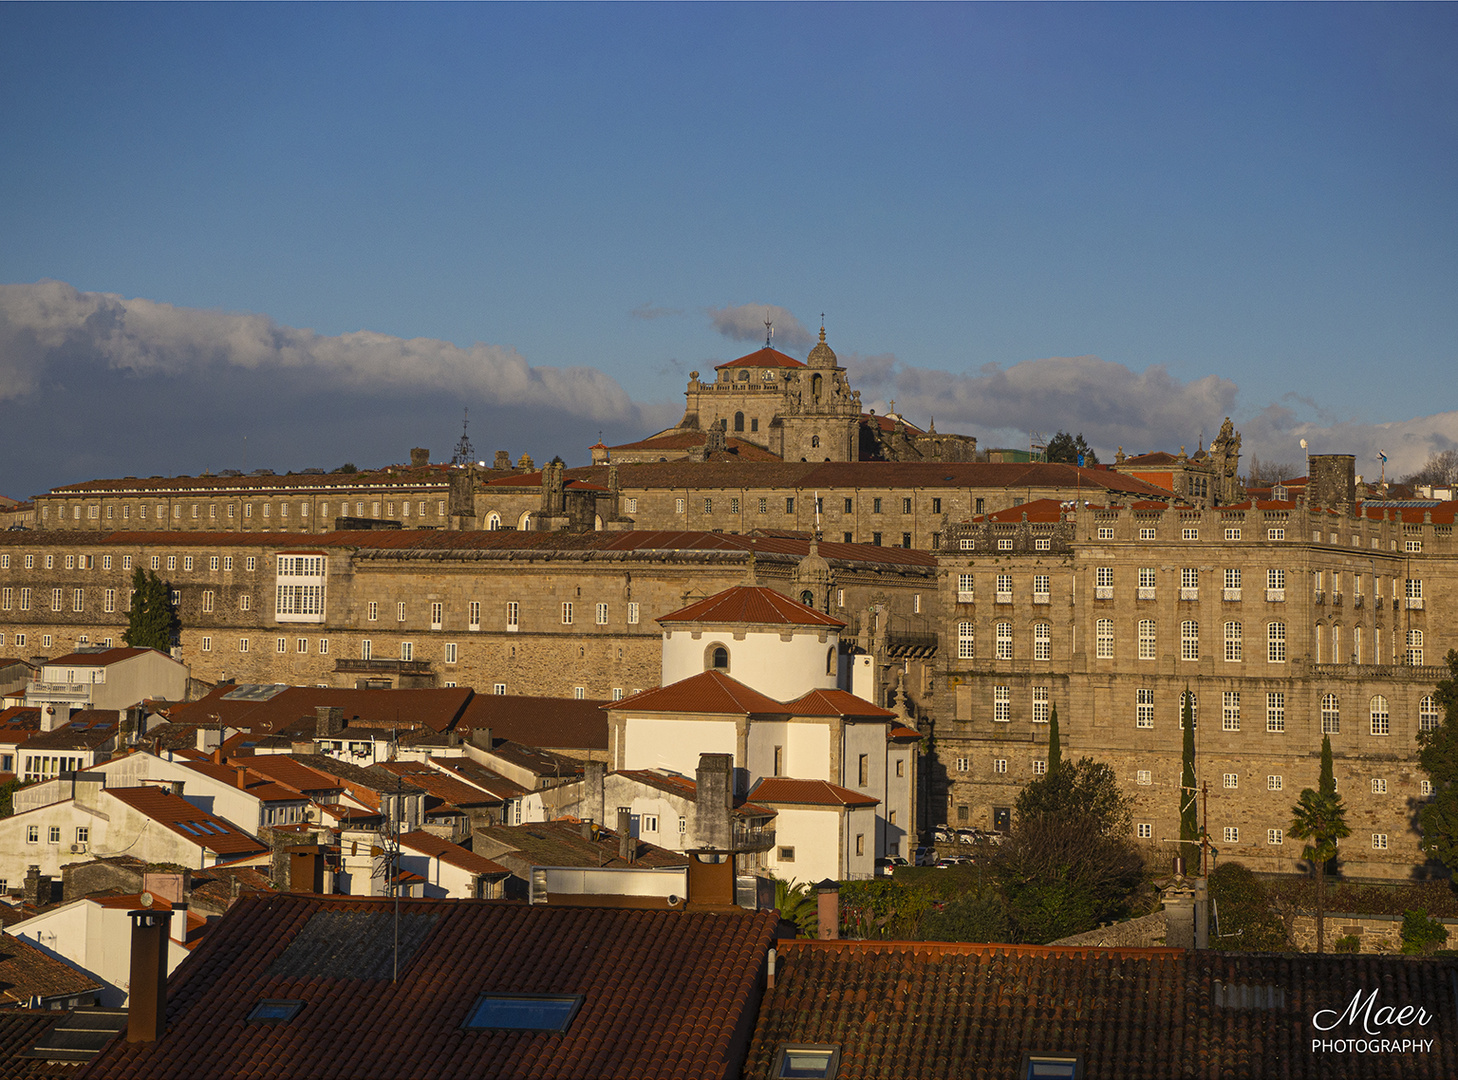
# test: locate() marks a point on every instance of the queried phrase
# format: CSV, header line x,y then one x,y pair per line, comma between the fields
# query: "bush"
x,y
1347,943
976,916
1421,934
1242,917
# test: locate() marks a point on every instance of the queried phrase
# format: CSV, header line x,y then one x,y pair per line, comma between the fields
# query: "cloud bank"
x,y
745,322
44,322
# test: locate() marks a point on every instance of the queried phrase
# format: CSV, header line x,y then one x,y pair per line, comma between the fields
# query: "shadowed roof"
x,y
836,703
784,789
666,995
103,658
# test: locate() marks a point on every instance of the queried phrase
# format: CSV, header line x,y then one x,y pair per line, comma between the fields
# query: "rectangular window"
x,y
1379,786
366,649
999,765
965,643
283,645
1147,582
964,589
1040,588
1379,841
678,506
789,504
213,563
1106,532
186,562
1042,641
1275,837
633,614
602,614
473,615
1275,711
437,611
172,562
1232,534
1275,534
57,601
227,563
400,611
1232,834
708,506
863,769
207,644
1143,777
734,506
1233,644
1144,708
1104,583
1002,704
1147,641
1040,768
301,645
252,563
407,650
1040,706
513,614
876,505
243,646
1104,639
1232,780
374,611
323,646
1190,534
1189,640
1004,641
848,505
1004,589
5,599
1276,643
566,614
24,599
1230,710
207,599
450,652
1148,534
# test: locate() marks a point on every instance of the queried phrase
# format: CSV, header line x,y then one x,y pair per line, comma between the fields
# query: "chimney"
x,y
31,889
172,887
328,720
177,786
714,801
419,457
627,846
147,1006
827,908
242,777
481,737
594,775
218,754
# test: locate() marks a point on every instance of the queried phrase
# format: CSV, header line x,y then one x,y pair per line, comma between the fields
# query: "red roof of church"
x,y
710,692
751,604
784,789
836,703
765,357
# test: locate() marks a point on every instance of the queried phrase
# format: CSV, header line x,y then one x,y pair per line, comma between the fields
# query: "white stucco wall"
x,y
777,668
676,744
860,821
815,835
806,749
98,941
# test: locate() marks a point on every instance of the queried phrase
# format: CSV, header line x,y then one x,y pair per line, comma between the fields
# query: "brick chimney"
x,y
241,778
627,846
147,1005
31,889
827,908
328,720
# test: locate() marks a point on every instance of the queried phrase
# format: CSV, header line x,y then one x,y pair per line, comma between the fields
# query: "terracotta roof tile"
x,y
447,852
709,692
201,828
779,790
103,658
763,358
548,722
26,973
836,703
752,604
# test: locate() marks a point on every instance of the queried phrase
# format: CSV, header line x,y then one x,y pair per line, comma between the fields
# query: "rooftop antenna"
x,y
769,331
465,452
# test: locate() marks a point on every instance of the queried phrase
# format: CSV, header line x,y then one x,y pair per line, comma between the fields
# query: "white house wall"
x,y
814,833
779,668
98,941
806,749
677,744
861,821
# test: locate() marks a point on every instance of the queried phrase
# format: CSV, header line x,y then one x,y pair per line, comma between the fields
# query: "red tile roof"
x,y
440,784
478,775
547,722
752,604
710,692
436,708
284,770
734,449
447,852
888,423
104,658
836,703
763,358
1040,510
783,789
666,995
26,973
198,826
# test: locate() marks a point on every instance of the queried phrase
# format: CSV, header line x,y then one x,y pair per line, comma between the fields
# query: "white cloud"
x,y
51,320
745,322
1275,433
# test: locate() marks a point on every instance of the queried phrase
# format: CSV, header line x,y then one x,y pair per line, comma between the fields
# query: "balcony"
x,y
1041,598
1358,601
1003,598
1189,592
1146,592
1414,603
1320,596
911,643
1234,594
1336,599
1412,673
753,838
384,667
1103,592
966,597
1278,596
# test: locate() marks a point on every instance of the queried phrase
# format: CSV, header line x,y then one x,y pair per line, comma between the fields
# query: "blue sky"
x,y
1128,220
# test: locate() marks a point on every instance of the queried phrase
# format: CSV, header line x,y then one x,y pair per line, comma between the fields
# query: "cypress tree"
x,y
1327,784
1055,747
1189,808
152,621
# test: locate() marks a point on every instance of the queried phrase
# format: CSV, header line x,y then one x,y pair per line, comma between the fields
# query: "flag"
x,y
1382,456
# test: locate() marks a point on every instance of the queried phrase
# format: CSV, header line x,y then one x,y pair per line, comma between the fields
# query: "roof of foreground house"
x,y
779,790
665,995
176,813
27,973
944,1011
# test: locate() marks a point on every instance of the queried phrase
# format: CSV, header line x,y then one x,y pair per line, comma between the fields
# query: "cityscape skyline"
x,y
1125,222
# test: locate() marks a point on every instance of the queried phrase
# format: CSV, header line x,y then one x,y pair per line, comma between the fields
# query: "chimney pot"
x,y
147,1005
627,848
827,909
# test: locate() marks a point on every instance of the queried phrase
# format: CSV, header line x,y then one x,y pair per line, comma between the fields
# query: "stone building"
x,y
1284,622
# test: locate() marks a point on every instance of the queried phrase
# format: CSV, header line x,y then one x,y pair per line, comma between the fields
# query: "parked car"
x,y
942,835
966,836
926,856
887,867
953,860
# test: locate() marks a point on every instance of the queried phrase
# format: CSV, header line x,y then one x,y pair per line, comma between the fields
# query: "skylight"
x,y
812,1062
524,1012
1052,1067
275,1011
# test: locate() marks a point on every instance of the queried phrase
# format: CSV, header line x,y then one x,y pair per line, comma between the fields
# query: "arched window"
x,y
830,660
1427,714
1414,648
814,441
743,376
739,421
493,521
1379,716
807,598
716,658
1331,715
815,385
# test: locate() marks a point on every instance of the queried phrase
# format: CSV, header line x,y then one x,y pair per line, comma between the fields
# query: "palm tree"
x,y
799,905
1321,819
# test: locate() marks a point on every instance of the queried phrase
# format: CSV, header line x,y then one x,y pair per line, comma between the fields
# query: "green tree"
x,y
1421,934
978,915
1189,807
1438,755
798,905
1067,448
1244,918
152,621
1055,744
1320,818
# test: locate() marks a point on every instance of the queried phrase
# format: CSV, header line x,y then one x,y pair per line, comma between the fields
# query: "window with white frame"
x,y
373,611
1106,532
1273,782
1189,583
407,650
1331,715
1189,640
1004,641
1232,834
999,765
1143,777
282,645
1414,648
1379,841
513,614
1002,704
437,614
450,652
301,645
1144,707
207,644
1233,642
1275,585
243,646
1275,837
1428,715
633,613
566,613
1230,710
1413,591
1147,581
965,644
1040,704
1104,639
1042,641
1190,534
961,764
498,689
1040,768
473,615
602,614
1275,534
579,692
1148,534
1145,830
207,599
1103,583
1276,643
1040,588
964,589
1425,788
1232,780
1148,642
1379,785
1377,714
1275,711
400,611
172,562
1004,589
323,646
1232,534
227,563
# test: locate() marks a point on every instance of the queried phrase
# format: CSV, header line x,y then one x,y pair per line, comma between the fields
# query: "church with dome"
x,y
769,406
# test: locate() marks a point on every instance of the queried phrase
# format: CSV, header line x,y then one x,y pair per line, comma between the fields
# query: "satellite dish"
x,y
146,899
